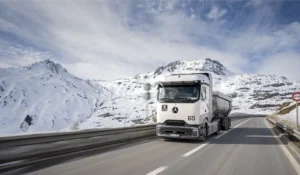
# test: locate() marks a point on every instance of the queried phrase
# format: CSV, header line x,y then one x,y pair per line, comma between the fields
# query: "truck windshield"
x,y
179,94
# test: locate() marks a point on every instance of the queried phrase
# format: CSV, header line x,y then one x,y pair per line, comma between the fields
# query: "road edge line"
x,y
288,154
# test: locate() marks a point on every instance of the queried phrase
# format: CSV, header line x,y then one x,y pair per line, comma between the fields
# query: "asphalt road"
x,y
249,148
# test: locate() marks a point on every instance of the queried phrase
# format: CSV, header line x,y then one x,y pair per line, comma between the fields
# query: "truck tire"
x,y
227,123
218,129
203,132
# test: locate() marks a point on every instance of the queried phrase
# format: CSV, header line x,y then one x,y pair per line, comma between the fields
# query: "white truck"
x,y
187,107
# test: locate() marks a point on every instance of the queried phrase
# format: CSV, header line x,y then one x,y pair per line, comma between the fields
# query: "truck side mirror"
x,y
202,96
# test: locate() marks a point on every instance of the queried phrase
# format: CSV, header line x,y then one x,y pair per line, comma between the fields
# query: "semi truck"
x,y
188,108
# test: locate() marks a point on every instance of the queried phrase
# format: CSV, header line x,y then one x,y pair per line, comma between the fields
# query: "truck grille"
x,y
181,131
175,123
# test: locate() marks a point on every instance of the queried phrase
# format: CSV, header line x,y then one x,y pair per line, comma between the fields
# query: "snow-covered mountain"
x,y
251,93
45,97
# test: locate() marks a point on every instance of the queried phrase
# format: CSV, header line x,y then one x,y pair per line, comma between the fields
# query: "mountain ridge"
x,y
44,97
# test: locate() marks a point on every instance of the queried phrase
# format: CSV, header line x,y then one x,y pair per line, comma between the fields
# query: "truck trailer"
x,y
187,107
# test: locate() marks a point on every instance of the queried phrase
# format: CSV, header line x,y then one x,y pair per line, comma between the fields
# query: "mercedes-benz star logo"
x,y
175,109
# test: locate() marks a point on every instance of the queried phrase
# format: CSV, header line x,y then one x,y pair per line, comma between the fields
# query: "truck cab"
x,y
185,107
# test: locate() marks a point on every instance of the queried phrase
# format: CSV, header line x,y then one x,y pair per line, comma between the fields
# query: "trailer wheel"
x,y
227,124
218,129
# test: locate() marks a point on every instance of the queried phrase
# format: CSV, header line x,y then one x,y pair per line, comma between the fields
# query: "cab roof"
x,y
202,77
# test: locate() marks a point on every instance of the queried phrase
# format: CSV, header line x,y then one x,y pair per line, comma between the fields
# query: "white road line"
x,y
158,170
194,150
205,144
263,136
286,152
231,129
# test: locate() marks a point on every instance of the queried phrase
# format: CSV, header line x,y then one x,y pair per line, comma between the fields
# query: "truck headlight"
x,y
195,132
157,130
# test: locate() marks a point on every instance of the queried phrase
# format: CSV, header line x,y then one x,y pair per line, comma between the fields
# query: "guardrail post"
x,y
297,115
147,96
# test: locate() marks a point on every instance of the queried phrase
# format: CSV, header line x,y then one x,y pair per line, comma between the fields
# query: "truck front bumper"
x,y
177,132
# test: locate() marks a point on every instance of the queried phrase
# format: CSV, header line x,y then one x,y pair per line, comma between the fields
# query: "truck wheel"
x,y
226,124
218,129
203,132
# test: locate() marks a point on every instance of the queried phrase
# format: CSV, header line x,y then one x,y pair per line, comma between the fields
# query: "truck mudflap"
x,y
178,132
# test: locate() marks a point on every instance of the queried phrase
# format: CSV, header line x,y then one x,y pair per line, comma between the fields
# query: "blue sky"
x,y
116,39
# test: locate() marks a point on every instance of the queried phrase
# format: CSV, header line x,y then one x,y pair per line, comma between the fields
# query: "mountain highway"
x,y
250,147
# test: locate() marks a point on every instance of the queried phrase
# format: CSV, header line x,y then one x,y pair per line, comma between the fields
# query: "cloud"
x,y
215,13
12,55
284,64
255,2
99,43
117,39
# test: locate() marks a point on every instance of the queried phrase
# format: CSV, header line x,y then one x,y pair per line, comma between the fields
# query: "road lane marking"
x,y
286,151
195,150
263,136
205,144
231,129
158,170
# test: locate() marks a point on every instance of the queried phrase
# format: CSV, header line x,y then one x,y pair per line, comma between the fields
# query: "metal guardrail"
x,y
63,136
289,130
39,146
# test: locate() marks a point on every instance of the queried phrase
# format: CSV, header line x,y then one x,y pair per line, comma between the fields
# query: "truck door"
x,y
204,102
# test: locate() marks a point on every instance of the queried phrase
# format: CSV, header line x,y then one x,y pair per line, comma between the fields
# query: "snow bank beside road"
x,y
291,116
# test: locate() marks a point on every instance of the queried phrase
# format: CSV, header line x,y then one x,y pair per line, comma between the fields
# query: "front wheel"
x,y
203,133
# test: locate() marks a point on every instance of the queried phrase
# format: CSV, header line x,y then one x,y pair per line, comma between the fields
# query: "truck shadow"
x,y
246,136
185,141
251,136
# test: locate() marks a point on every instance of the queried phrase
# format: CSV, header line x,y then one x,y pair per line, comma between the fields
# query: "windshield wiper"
x,y
167,100
180,98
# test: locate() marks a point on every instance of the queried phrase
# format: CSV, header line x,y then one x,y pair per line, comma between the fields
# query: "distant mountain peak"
x,y
49,65
214,62
194,66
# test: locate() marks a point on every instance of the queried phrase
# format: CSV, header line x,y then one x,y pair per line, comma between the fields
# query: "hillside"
x,y
44,97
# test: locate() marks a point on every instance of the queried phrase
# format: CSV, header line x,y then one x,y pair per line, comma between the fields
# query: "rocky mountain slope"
x,y
45,97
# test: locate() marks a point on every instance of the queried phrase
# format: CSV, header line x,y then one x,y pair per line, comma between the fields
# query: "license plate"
x,y
174,135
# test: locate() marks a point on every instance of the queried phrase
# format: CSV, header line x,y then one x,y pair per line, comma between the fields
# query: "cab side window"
x,y
203,93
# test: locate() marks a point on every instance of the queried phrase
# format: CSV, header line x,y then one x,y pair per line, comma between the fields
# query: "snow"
x,y
251,93
44,97
291,116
